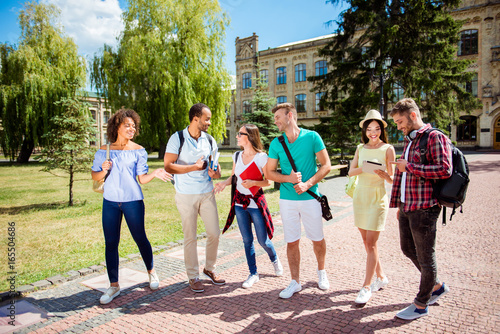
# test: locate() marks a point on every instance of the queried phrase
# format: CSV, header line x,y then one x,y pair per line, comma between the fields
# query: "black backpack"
x,y
449,192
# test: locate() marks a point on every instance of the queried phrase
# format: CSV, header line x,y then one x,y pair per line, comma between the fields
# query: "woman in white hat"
x,y
372,165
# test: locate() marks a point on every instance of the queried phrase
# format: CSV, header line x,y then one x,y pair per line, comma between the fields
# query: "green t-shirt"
x,y
303,151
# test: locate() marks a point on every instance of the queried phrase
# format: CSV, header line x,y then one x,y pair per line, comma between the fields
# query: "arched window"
x,y
300,102
247,80
300,72
467,129
468,44
281,99
321,68
281,75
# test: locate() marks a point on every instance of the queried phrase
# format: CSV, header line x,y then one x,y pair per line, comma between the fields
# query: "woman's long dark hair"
x,y
383,134
254,137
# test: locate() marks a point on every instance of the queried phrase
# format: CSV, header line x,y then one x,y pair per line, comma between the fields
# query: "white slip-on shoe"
x,y
110,294
154,282
278,267
364,295
379,283
323,282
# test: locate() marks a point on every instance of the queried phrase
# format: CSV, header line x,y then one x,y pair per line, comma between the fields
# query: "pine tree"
x,y
261,115
68,143
421,39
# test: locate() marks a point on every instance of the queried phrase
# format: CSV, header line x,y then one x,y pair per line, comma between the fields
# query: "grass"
x,y
52,238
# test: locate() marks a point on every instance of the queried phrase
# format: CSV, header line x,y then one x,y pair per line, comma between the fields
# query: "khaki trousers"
x,y
189,207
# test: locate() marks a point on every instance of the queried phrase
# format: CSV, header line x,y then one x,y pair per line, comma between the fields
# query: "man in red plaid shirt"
x,y
418,210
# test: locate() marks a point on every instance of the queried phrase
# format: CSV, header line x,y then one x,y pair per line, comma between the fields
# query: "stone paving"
x,y
468,259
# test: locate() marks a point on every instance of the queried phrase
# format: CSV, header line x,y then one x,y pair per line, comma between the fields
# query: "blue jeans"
x,y
417,231
245,219
112,213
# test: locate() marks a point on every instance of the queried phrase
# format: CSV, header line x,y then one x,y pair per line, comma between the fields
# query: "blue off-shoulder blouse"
x,y
121,184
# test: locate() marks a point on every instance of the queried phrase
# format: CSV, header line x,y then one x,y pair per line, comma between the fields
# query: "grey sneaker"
x,y
444,289
110,294
291,289
278,267
412,312
379,283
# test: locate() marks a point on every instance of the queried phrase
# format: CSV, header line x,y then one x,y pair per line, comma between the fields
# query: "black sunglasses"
x,y
239,134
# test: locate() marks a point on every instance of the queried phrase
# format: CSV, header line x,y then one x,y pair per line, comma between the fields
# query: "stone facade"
x,y
482,127
100,115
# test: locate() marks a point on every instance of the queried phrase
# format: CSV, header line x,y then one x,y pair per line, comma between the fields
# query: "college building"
x,y
286,68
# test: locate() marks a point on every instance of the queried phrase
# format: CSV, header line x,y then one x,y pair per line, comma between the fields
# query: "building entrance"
x,y
496,136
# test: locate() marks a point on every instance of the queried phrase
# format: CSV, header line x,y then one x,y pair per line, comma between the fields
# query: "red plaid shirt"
x,y
244,200
418,190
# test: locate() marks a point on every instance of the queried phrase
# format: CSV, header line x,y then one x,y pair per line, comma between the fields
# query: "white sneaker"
x,y
364,295
379,283
323,283
111,293
250,281
154,282
291,289
278,268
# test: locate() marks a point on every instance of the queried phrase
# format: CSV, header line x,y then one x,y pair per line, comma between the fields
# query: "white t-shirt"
x,y
260,160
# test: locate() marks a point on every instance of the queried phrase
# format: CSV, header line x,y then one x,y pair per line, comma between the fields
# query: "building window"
x,y
398,92
106,117
247,107
300,102
321,68
471,86
281,75
468,43
264,76
281,99
247,80
320,104
94,116
300,72
466,130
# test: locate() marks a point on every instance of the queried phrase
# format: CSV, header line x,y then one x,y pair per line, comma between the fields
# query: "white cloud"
x,y
91,23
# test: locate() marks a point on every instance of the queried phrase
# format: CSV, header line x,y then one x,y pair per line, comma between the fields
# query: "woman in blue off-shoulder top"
x,y
123,195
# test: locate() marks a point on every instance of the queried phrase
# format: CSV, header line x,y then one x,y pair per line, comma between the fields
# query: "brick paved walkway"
x,y
468,259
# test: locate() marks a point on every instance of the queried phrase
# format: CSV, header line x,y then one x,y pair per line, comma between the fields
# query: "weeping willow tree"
x,y
43,69
169,57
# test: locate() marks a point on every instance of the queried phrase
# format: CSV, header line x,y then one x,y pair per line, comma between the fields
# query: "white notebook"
x,y
371,166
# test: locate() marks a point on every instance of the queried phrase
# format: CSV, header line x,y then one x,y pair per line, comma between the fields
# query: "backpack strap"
x,y
180,133
233,177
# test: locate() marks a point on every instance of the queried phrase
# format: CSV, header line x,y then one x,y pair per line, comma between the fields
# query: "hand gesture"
x,y
163,175
214,174
219,187
295,177
301,188
400,164
201,164
106,165
248,183
383,174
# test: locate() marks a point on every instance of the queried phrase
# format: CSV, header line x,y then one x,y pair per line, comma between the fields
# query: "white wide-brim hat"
x,y
372,114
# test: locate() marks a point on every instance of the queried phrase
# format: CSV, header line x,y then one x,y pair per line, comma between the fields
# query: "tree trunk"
x,y
161,151
71,185
26,150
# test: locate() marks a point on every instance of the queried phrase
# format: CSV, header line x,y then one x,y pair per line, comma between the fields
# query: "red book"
x,y
252,173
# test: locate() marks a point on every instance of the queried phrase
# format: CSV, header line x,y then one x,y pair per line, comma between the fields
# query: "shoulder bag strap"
x,y
282,141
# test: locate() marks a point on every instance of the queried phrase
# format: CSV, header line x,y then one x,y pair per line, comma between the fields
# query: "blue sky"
x,y
95,22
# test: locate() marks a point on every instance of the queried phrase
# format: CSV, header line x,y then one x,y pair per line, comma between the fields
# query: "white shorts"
x,y
309,212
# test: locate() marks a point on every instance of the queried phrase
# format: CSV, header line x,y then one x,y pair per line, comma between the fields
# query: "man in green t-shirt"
x,y
296,204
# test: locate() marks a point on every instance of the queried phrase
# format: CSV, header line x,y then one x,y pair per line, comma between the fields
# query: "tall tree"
x,y
67,146
261,116
43,69
421,39
170,56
